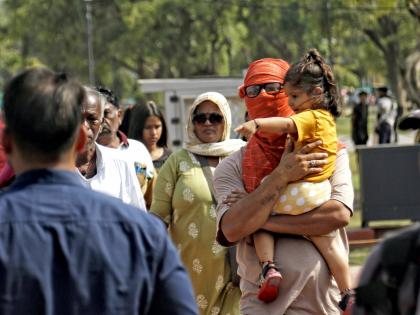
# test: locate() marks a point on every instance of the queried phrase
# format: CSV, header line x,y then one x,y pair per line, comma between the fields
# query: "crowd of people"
x,y
99,219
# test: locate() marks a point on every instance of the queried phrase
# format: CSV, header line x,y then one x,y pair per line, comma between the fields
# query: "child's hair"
x,y
311,72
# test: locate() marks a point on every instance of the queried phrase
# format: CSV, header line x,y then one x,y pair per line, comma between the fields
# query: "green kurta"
x,y
183,200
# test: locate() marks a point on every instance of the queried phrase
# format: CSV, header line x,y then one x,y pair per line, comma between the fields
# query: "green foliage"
x,y
183,38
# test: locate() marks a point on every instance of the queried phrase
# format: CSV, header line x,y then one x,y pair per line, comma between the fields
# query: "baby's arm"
x,y
271,124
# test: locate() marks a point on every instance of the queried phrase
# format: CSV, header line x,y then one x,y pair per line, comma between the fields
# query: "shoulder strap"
x,y
207,174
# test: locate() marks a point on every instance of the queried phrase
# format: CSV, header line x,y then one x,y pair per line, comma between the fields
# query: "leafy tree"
x,y
366,41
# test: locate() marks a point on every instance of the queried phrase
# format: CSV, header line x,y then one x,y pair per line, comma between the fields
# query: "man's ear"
x,y
317,90
7,141
81,138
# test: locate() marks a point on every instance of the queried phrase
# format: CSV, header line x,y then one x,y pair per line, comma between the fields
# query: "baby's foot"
x,y
270,283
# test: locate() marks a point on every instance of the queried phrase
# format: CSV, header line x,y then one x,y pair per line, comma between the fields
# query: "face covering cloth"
x,y
264,150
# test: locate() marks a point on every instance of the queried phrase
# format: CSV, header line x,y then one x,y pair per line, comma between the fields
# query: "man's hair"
x,y
43,112
100,98
383,89
109,95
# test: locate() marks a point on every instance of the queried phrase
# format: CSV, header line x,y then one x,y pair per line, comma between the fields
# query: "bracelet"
x,y
256,124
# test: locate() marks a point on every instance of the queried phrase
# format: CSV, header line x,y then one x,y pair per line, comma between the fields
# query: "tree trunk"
x,y
386,39
412,77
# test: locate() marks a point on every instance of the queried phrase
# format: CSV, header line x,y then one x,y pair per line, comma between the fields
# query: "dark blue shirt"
x,y
65,249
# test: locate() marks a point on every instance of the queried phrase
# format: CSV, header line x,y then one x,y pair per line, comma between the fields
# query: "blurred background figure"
x,y
387,114
125,123
184,200
359,120
132,150
411,121
102,168
148,125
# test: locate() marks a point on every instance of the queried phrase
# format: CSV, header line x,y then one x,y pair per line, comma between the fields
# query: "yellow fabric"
x,y
301,197
183,200
314,125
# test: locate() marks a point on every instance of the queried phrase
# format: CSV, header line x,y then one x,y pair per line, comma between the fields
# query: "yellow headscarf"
x,y
226,145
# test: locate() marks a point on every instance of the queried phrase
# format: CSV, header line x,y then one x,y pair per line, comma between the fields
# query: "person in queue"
x,y
148,126
359,120
386,116
312,94
102,168
183,199
132,150
66,249
307,286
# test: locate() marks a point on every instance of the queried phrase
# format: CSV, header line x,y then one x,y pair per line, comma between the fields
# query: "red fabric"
x,y
264,150
123,138
6,175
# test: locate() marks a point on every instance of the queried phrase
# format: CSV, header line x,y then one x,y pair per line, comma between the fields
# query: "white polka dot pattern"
x,y
301,197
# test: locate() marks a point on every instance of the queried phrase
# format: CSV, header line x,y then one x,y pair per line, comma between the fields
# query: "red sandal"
x,y
270,280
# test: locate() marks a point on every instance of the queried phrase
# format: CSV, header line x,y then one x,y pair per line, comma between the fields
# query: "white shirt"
x,y
387,110
138,153
116,177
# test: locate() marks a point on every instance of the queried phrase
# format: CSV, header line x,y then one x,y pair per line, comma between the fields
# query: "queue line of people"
x,y
202,214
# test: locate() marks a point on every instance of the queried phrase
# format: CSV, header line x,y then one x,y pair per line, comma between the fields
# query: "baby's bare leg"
x,y
336,260
264,246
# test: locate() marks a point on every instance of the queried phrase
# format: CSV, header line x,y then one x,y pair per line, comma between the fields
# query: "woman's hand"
x,y
234,196
296,164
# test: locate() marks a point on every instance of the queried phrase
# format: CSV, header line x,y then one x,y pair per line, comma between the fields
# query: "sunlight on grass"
x,y
358,256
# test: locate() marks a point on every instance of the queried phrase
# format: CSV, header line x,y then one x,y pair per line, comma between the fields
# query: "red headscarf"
x,y
264,150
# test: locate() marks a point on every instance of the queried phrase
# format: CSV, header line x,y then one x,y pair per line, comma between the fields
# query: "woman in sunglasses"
x,y
183,198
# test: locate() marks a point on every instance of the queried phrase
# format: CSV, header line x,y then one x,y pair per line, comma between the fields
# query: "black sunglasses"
x,y
271,88
213,118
